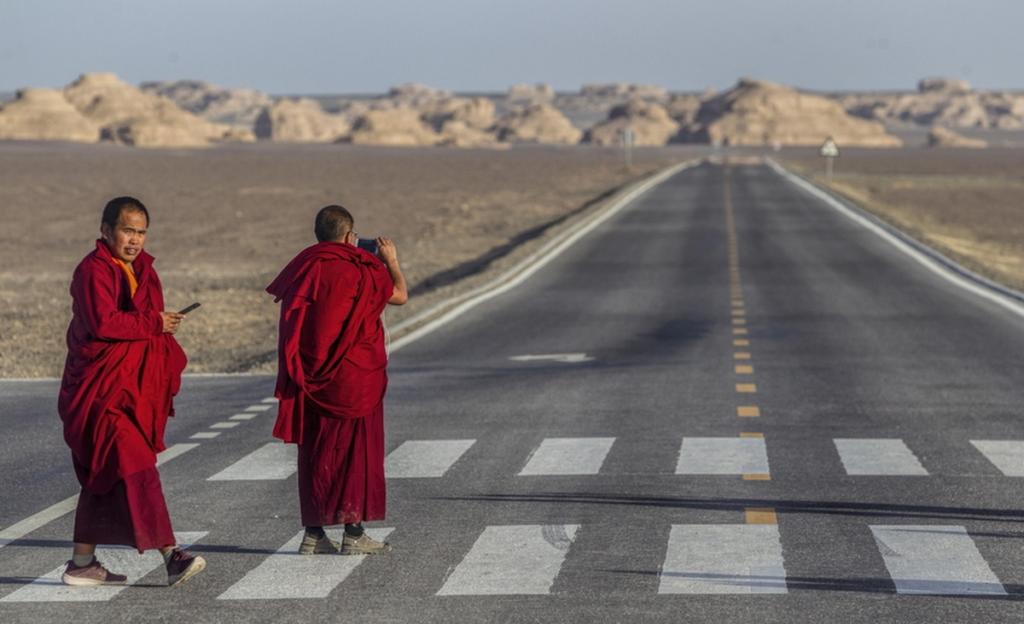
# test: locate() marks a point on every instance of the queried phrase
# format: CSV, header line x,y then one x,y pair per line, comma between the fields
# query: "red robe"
x,y
331,379
120,376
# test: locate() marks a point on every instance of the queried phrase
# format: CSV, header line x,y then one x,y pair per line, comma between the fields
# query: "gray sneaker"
x,y
323,546
363,545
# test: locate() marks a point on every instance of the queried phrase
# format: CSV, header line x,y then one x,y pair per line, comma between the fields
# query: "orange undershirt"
x,y
133,284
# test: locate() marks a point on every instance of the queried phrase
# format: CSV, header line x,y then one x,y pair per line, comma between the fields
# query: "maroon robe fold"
x,y
331,379
120,377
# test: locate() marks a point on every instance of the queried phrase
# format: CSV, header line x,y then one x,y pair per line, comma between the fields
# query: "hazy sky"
x,y
316,46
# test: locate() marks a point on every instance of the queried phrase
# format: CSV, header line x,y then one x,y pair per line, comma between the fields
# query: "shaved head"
x,y
333,223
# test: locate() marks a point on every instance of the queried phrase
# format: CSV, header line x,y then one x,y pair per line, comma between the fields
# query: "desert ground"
x,y
226,219
968,203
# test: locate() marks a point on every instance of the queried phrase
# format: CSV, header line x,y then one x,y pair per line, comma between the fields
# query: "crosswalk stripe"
x,y
273,461
424,458
1007,455
122,560
878,456
287,574
204,435
568,456
258,408
521,559
722,456
934,559
244,416
723,559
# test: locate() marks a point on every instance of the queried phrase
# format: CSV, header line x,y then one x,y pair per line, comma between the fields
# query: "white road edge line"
x,y
929,258
530,265
39,519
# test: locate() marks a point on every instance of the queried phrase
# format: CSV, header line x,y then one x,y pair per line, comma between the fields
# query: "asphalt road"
x,y
574,450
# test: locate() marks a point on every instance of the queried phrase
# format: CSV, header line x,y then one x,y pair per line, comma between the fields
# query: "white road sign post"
x,y
627,146
829,150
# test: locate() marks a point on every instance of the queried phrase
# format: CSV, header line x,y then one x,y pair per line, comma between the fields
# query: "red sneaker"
x,y
91,575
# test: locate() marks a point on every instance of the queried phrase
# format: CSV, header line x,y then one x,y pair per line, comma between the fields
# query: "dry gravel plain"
x,y
968,203
225,220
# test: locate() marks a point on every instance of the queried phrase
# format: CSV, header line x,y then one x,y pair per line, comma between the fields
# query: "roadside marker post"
x,y
829,151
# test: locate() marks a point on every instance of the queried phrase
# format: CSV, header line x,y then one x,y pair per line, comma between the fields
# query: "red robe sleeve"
x,y
96,295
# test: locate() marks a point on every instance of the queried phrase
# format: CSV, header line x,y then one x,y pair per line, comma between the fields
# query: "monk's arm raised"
x,y
389,254
95,294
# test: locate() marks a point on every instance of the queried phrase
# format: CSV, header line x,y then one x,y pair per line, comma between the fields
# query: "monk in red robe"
x,y
332,377
123,369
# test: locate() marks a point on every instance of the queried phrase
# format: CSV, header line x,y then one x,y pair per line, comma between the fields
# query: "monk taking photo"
x,y
332,377
122,371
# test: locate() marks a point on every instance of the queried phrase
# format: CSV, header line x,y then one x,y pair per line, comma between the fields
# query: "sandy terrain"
x,y
225,220
967,203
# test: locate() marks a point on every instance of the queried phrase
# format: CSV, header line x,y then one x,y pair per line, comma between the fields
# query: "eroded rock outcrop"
x,y
128,115
45,115
537,123
942,102
944,137
300,121
235,107
763,113
650,124
396,127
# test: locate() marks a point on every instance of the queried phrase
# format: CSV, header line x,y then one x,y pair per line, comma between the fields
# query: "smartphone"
x,y
189,308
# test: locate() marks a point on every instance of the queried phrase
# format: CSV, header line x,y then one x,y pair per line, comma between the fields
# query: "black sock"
x,y
354,530
316,532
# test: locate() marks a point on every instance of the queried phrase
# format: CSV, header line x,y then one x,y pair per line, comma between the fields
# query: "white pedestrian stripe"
x,y
258,408
173,451
287,574
225,425
564,358
723,559
273,461
1007,455
722,456
523,559
244,416
424,458
568,456
878,456
269,400
122,560
204,435
935,559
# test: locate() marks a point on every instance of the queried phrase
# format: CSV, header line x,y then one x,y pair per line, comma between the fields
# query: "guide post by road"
x,y
829,151
627,146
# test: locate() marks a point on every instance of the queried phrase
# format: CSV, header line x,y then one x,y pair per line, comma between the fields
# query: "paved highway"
x,y
728,403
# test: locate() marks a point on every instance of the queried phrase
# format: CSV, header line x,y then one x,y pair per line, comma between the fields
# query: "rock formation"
x,y
650,123
944,137
397,127
45,115
537,123
623,91
129,116
530,94
235,107
944,102
764,113
300,121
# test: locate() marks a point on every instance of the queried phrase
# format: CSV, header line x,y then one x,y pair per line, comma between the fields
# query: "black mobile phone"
x,y
189,308
369,244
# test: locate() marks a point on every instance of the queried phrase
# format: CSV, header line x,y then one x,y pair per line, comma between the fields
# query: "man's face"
x,y
128,236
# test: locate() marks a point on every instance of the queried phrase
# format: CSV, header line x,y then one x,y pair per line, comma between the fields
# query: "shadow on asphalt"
x,y
770,584
782,506
197,548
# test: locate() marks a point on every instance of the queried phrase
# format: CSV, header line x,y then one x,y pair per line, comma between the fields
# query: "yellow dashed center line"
x,y
748,411
739,331
741,355
741,342
761,515
744,369
746,388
